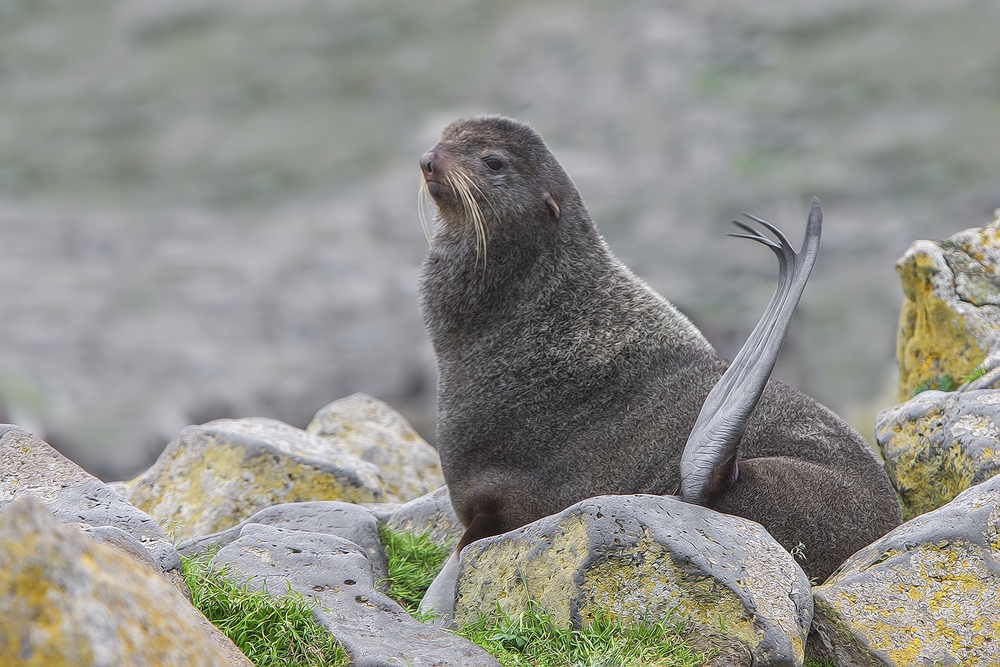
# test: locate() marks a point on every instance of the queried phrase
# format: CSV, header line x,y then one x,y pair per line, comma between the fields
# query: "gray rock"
x,y
950,320
213,476
937,444
29,466
119,487
431,514
68,600
351,522
373,431
642,558
990,378
382,511
927,593
334,574
116,538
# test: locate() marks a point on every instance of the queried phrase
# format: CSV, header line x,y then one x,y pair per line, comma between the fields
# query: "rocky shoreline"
x,y
90,573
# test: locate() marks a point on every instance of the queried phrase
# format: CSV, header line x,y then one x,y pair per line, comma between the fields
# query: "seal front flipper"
x,y
440,596
710,458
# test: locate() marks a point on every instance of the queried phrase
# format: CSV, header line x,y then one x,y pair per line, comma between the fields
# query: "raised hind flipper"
x,y
709,461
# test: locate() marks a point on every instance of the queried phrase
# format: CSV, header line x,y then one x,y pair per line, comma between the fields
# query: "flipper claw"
x,y
774,230
758,238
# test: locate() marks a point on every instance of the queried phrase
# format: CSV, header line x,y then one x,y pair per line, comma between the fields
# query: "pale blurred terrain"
x,y
208,208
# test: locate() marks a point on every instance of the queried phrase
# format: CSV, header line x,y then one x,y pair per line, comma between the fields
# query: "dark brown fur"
x,y
563,376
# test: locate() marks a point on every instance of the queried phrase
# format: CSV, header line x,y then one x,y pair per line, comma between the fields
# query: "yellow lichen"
x,y
209,486
924,478
918,614
992,532
641,584
517,572
651,587
35,631
933,339
65,600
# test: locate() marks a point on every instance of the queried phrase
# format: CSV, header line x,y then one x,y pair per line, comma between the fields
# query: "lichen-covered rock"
x,y
329,517
431,514
373,431
643,558
927,593
938,444
950,319
67,600
213,476
335,575
29,466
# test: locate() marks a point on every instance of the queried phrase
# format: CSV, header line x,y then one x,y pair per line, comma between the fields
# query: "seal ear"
x,y
550,202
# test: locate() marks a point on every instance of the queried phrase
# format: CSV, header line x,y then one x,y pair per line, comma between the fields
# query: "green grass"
x,y
271,631
977,372
948,383
531,639
942,383
274,631
414,560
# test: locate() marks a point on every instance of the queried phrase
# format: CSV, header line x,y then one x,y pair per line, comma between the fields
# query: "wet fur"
x,y
564,376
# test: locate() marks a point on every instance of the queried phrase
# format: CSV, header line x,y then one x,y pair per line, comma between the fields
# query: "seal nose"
x,y
427,162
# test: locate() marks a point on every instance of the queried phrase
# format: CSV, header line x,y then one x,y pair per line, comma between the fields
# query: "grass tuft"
x,y
531,639
271,631
948,383
414,560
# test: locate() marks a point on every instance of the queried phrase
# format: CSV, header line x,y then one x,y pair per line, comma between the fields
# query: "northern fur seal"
x,y
561,375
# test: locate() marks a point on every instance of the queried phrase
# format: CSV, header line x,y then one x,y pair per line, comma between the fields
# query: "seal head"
x,y
504,165
493,179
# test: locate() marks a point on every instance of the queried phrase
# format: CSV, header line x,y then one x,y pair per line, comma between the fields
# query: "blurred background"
x,y
208,207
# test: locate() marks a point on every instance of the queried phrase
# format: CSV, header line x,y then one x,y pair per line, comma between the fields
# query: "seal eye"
x,y
493,163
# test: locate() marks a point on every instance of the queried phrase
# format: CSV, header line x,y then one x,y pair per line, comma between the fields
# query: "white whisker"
x,y
422,204
462,185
